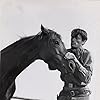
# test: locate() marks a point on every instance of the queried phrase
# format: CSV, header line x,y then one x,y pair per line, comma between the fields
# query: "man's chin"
x,y
73,46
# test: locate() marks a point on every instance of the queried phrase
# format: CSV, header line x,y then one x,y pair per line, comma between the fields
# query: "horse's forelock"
x,y
58,35
51,32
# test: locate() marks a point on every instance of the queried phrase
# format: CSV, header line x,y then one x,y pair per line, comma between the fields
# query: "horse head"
x,y
52,49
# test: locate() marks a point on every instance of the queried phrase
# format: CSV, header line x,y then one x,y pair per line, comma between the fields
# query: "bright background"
x,y
20,18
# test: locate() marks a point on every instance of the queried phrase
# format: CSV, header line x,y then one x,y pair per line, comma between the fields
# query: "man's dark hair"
x,y
77,31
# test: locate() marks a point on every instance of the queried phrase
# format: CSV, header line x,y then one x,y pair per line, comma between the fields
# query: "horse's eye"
x,y
56,42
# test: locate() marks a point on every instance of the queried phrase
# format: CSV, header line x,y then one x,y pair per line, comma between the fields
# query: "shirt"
x,y
81,75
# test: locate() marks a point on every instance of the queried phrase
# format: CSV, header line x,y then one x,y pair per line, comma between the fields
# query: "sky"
x,y
19,18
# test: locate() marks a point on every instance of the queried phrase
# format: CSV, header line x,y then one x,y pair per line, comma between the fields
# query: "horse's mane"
x,y
17,43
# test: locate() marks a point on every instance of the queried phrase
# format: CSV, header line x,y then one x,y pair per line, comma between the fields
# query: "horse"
x,y
46,45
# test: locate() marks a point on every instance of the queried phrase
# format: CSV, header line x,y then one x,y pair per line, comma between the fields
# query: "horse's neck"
x,y
27,59
17,57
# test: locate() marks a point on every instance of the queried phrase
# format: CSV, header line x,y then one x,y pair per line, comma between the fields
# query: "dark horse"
x,y
46,45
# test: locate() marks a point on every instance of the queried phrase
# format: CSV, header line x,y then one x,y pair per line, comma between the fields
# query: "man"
x,y
75,82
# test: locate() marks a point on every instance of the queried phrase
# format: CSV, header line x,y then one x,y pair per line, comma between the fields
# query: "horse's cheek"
x,y
43,55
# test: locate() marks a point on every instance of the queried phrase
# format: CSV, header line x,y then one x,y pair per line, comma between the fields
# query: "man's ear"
x,y
83,42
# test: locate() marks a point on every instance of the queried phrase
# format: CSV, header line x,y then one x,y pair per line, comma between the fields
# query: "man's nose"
x,y
73,40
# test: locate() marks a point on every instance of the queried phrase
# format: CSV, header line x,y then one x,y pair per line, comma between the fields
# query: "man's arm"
x,y
84,72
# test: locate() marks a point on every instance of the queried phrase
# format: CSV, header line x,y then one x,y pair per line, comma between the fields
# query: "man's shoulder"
x,y
86,51
86,54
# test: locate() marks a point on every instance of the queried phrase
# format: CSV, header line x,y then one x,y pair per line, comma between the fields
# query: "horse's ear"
x,y
42,27
44,30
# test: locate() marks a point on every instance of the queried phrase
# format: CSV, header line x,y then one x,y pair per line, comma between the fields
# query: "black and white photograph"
x,y
49,49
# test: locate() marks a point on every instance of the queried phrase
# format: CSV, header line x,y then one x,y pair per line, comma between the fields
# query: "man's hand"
x,y
70,56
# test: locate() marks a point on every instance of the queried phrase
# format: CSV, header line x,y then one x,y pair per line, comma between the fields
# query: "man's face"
x,y
76,42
